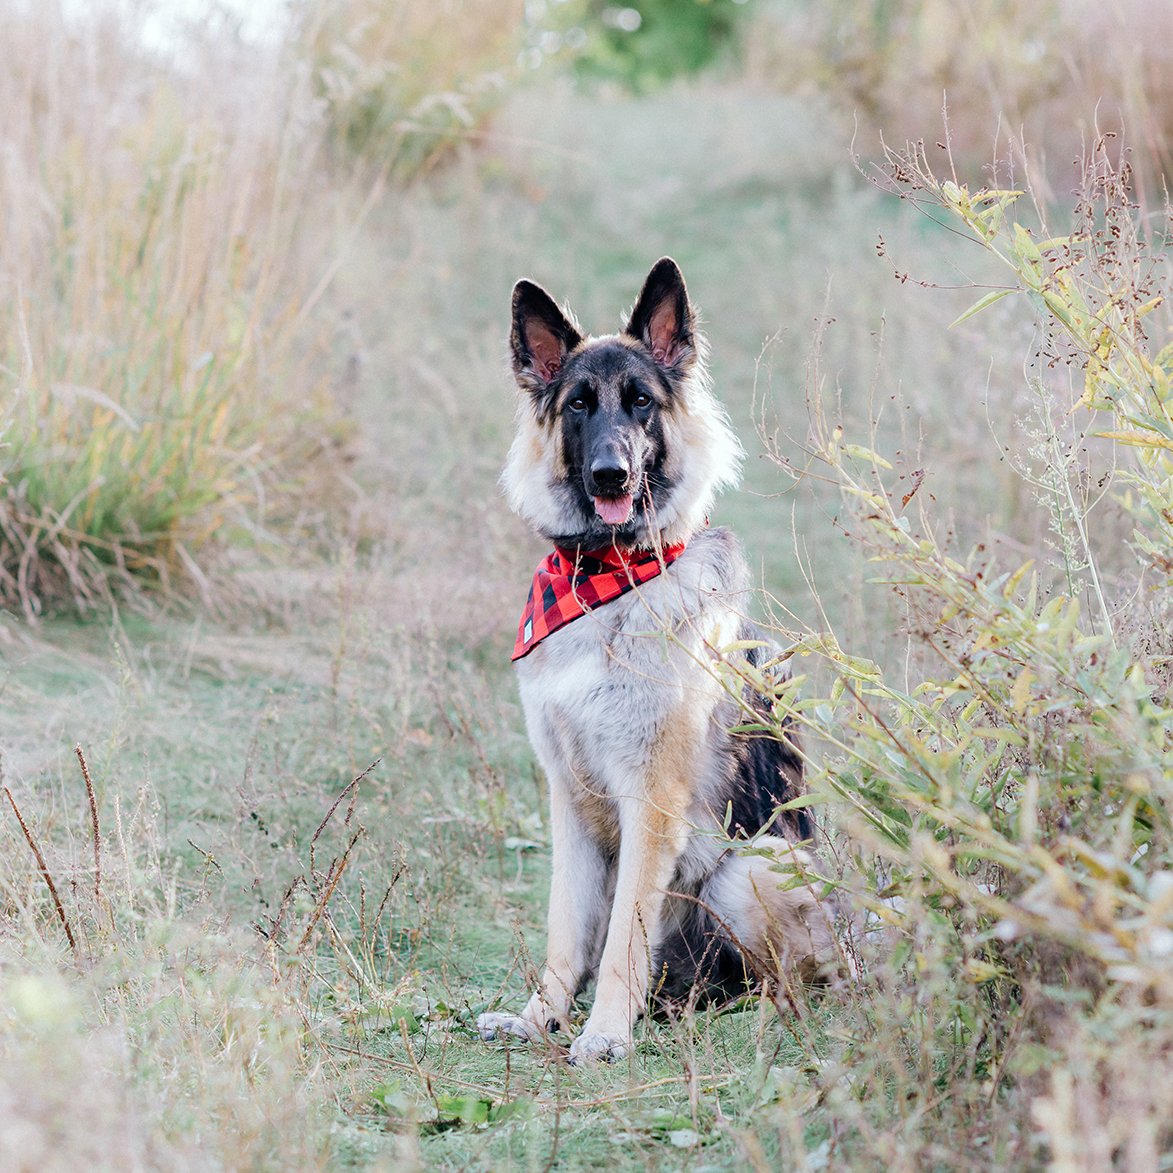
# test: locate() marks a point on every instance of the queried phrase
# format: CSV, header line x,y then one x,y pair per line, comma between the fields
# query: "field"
x,y
272,831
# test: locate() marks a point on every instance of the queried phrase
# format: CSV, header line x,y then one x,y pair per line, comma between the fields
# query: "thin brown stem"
x,y
44,870
352,785
332,878
94,824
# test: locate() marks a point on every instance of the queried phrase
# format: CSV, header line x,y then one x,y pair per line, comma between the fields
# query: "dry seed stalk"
x,y
209,858
273,933
332,878
352,785
85,773
44,870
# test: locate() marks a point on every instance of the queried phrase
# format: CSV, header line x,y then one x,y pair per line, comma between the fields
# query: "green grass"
x,y
234,766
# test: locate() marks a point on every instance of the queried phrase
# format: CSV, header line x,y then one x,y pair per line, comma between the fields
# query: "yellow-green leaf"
x,y
981,304
1138,439
859,452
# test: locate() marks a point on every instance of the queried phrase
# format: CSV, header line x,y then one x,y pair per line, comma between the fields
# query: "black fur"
x,y
611,401
697,959
663,318
769,771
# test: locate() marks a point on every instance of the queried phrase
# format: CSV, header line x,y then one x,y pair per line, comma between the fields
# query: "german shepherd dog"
x,y
620,450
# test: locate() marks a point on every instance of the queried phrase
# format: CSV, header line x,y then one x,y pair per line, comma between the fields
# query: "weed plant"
x,y
1007,796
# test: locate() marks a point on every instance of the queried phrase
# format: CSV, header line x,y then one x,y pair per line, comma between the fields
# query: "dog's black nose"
x,y
609,476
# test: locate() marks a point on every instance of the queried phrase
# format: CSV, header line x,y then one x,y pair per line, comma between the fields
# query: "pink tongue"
x,y
614,510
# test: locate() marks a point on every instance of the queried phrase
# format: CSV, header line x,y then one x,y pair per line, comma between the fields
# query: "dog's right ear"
x,y
541,338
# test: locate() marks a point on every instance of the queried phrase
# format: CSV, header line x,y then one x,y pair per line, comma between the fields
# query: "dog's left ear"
x,y
663,318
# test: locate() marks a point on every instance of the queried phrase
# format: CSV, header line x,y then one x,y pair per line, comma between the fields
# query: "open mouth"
x,y
615,510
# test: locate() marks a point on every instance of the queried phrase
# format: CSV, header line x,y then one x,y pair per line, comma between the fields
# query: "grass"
x,y
151,313
1042,80
278,965
402,84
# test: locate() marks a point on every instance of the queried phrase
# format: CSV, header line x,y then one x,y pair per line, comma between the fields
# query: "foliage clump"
x,y
645,43
1009,794
402,84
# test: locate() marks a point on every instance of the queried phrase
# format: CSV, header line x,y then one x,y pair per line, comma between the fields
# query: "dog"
x,y
620,449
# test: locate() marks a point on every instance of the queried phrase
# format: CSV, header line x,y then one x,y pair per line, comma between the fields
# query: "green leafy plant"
x,y
642,44
1011,799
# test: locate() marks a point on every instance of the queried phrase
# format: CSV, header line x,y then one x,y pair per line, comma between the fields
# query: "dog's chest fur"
x,y
635,678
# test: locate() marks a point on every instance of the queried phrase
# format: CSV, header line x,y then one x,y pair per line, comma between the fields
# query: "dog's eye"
x,y
578,403
642,399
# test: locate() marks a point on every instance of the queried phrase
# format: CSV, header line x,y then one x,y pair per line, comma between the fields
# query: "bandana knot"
x,y
569,583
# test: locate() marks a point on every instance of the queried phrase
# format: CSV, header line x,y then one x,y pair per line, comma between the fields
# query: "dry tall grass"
x,y
156,283
171,226
403,82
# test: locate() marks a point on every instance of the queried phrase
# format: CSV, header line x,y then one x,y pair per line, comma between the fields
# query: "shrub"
x,y
403,83
1009,793
154,293
1034,69
648,42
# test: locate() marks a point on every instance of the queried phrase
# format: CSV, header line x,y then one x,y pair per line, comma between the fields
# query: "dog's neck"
x,y
623,539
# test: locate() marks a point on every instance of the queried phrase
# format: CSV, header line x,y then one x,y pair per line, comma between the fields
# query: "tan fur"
x,y
641,888
785,926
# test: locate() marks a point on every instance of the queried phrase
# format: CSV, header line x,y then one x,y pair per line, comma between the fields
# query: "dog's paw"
x,y
498,1026
593,1045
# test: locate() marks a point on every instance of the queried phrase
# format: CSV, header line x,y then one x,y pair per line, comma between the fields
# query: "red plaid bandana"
x,y
567,584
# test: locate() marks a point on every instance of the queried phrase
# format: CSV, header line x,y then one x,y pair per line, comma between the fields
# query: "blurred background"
x,y
258,256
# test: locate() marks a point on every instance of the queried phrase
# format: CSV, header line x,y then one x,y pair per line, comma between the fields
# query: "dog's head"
x,y
619,438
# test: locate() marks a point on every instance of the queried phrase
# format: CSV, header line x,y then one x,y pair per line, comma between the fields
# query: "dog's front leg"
x,y
651,841
576,910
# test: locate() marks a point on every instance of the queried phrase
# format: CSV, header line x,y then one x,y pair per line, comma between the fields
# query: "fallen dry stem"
x,y
627,1092
44,870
